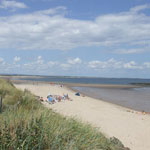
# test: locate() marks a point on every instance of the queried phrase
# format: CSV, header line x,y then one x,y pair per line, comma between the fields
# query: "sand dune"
x,y
131,127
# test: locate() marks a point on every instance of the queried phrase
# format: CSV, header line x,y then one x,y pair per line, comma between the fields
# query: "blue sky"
x,y
99,38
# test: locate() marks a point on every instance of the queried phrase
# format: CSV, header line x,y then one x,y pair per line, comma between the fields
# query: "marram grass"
x,y
26,125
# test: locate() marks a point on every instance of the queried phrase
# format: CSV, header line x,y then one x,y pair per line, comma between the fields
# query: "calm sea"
x,y
88,80
134,98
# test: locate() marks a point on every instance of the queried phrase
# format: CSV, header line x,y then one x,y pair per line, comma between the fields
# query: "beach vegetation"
x,y
25,124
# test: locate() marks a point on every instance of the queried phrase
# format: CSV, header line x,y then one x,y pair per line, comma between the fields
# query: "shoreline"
x,y
70,86
129,126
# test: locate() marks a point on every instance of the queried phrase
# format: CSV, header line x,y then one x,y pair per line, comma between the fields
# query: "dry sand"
x,y
131,127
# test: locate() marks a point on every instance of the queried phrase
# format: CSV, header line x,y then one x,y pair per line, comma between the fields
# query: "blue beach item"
x,y
50,99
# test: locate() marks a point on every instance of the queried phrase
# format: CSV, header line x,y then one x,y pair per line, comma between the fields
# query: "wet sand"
x,y
131,127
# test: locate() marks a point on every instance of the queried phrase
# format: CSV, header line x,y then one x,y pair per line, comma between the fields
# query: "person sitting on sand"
x,y
41,99
66,96
59,98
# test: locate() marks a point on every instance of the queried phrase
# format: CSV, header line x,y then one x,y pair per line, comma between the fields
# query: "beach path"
x,y
131,127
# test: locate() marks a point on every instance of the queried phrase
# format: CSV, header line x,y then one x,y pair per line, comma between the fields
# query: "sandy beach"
x,y
131,127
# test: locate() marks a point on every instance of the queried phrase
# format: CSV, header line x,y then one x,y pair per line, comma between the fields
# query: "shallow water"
x,y
134,98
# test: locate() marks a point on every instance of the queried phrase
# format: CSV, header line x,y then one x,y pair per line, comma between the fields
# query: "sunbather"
x,y
41,99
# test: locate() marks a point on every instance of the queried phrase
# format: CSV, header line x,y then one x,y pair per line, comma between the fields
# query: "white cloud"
x,y
6,67
50,29
10,4
40,60
1,59
39,57
65,66
52,11
114,64
132,65
2,62
52,63
111,63
74,61
35,65
41,66
131,51
147,64
97,64
17,59
71,63
139,8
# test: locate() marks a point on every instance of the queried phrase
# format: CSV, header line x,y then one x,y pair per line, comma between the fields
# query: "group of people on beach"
x,y
51,99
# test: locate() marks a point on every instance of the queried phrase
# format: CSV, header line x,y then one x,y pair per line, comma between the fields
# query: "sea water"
x,y
134,98
87,80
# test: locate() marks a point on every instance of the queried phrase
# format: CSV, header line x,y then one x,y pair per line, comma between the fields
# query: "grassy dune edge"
x,y
25,124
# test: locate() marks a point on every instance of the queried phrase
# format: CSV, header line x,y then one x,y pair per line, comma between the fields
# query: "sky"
x,y
98,38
